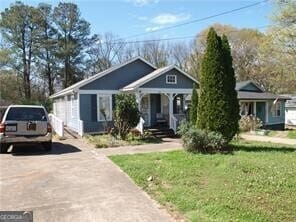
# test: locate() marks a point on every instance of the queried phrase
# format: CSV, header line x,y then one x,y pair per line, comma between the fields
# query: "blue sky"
x,y
131,17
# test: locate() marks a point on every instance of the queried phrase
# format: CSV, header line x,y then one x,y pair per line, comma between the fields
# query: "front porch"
x,y
165,110
255,108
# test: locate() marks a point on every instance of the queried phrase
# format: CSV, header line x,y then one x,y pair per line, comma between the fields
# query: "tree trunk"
x,y
26,76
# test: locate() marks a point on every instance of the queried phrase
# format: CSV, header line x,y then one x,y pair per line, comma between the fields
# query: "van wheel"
x,y
3,148
47,146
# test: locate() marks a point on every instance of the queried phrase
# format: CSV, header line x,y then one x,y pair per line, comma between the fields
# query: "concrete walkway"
x,y
168,144
268,139
75,182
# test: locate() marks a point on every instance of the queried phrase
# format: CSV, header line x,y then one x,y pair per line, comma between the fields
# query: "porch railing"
x,y
173,123
140,125
57,124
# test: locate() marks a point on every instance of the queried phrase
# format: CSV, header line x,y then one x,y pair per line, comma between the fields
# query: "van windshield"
x,y
26,114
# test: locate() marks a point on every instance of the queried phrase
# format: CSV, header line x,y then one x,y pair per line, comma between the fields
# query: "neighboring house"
x,y
290,111
160,94
268,107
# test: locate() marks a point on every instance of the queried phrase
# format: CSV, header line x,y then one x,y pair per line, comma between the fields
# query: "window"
x,y
26,114
276,109
171,79
104,107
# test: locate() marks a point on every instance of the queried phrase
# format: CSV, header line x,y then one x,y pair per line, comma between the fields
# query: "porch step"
x,y
162,132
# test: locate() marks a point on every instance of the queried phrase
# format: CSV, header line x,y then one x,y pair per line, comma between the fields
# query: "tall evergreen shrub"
x,y
218,105
194,103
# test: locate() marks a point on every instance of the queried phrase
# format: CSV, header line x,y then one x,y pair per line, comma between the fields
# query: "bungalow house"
x,y
268,107
161,94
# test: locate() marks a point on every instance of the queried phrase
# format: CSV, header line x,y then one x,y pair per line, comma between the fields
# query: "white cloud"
x,y
153,28
169,18
142,2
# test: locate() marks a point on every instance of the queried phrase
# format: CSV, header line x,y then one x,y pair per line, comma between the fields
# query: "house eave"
x,y
68,92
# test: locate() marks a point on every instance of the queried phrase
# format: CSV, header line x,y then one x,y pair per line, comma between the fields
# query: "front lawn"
x,y
257,182
292,134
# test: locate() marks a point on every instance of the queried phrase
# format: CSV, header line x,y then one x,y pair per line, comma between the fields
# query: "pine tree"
x,y
194,103
231,106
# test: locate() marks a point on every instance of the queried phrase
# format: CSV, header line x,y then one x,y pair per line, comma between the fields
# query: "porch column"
x,y
138,99
171,97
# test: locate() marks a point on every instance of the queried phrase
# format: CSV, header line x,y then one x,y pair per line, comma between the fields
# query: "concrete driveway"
x,y
72,183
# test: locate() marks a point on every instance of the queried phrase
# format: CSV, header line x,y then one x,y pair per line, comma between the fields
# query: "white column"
x,y
171,97
138,99
255,109
266,112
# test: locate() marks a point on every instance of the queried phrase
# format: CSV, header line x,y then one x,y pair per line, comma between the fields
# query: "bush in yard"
x,y
197,140
193,107
249,123
218,109
126,114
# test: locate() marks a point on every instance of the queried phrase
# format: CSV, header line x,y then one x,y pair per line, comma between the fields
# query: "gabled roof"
x,y
81,83
247,95
158,72
241,85
255,95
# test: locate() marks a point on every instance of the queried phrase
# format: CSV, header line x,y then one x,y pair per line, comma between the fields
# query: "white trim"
x,y
167,78
165,90
78,106
98,106
84,82
275,107
84,91
255,108
148,108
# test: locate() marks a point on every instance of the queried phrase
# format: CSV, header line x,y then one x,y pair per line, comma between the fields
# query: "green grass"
x,y
292,134
257,182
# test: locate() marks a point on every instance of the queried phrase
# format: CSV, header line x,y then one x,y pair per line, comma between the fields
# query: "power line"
x,y
199,19
174,38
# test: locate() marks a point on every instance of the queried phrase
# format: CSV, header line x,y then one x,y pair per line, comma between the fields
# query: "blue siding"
x,y
85,107
88,114
120,77
274,119
183,82
250,87
95,127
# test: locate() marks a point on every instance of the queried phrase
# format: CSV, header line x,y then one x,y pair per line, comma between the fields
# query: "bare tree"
x,y
105,51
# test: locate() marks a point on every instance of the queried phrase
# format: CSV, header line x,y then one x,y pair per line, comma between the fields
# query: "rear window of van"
x,y
26,114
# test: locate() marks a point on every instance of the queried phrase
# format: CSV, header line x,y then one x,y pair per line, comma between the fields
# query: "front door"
x,y
145,109
260,111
